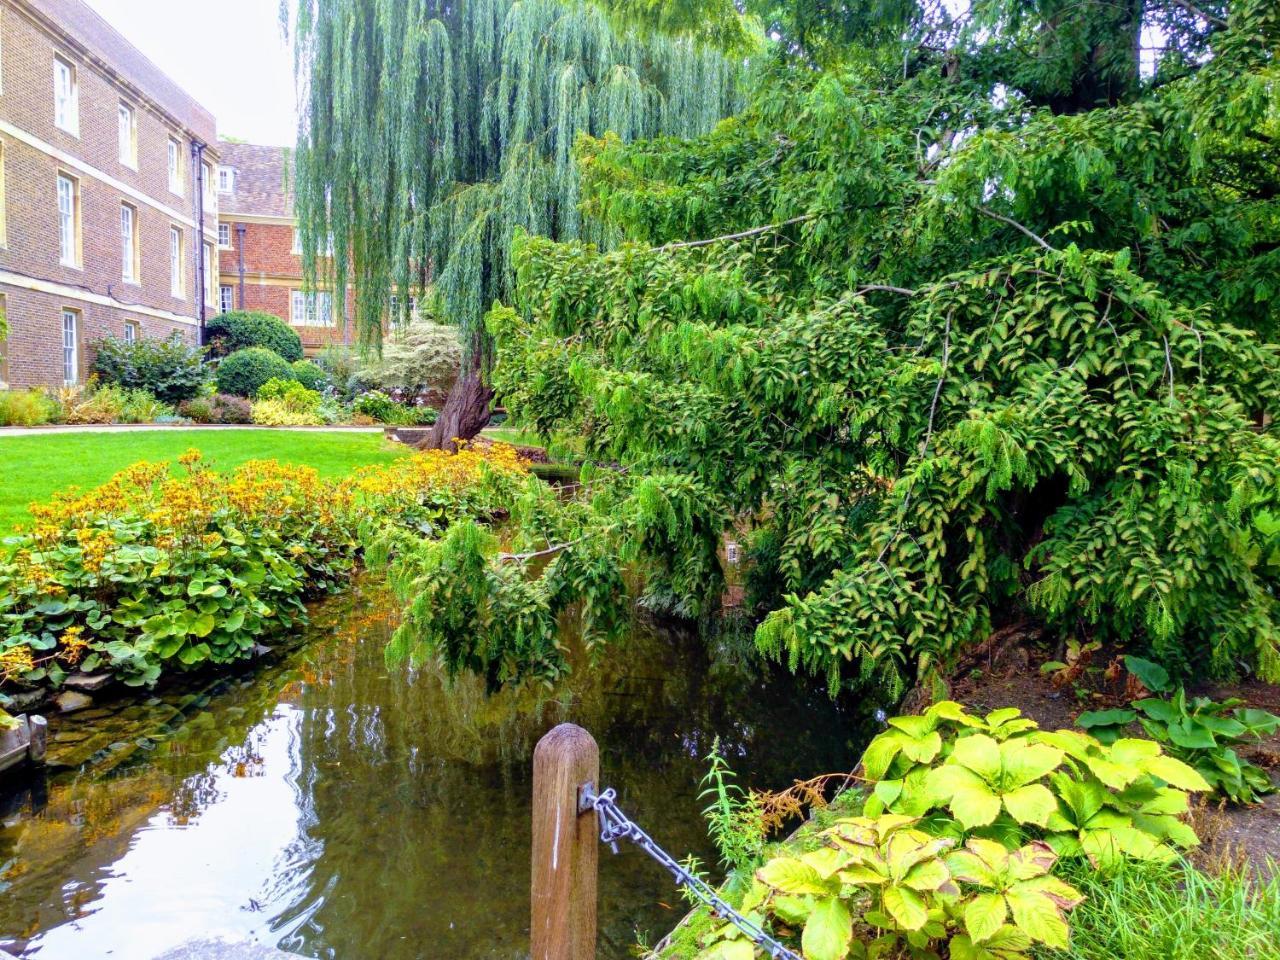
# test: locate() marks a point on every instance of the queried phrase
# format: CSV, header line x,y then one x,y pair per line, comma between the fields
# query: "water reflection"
x,y
338,809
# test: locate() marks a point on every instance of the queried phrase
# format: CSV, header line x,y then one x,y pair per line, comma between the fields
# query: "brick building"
x,y
260,261
108,206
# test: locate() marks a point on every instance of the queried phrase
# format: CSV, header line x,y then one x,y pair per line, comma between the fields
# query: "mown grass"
x,y
34,468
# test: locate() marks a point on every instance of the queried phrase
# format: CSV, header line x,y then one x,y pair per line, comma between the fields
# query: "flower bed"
x,y
152,571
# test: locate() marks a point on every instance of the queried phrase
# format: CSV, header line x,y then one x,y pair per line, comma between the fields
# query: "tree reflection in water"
x,y
396,806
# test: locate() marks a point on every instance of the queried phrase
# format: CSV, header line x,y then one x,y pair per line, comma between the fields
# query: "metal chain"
x,y
615,826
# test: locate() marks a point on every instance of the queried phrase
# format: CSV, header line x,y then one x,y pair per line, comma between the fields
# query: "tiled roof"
x,y
82,25
263,175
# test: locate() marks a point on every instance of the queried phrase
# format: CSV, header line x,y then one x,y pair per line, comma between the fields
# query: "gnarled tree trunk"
x,y
466,411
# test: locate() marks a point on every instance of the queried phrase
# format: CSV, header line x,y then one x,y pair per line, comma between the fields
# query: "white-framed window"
x,y
312,309
70,346
210,194
297,242
226,179
68,221
175,166
132,331
226,298
128,134
66,96
209,284
177,278
129,249
224,236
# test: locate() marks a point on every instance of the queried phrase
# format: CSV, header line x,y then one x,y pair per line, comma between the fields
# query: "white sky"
x,y
229,55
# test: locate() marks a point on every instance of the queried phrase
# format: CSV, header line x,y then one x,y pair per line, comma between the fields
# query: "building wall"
x,y
272,273
35,285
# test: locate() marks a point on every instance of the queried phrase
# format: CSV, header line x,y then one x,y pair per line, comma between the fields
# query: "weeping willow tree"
x,y
434,131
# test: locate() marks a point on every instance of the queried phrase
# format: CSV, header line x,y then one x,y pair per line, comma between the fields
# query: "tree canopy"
x,y
972,320
434,131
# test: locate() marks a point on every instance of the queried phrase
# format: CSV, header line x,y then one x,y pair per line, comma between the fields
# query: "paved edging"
x,y
54,429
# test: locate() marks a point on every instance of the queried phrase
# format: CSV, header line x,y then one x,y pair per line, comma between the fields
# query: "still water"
x,y
335,808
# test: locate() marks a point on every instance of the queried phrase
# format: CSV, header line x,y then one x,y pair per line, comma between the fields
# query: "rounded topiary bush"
x,y
240,329
244,372
310,375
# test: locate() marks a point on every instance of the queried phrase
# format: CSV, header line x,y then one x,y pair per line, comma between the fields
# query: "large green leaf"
x,y
1024,763
1033,803
906,907
978,753
788,875
827,931
1176,773
984,915
1036,915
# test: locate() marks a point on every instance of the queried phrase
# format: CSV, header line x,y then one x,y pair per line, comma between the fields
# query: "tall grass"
x,y
1175,912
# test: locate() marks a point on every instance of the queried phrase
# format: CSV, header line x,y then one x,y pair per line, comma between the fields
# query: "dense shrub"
x,y
154,571
286,403
310,375
342,366
171,370
241,329
219,408
28,408
419,359
376,405
244,372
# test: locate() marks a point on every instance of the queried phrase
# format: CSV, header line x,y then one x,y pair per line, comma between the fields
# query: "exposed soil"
x,y
1006,672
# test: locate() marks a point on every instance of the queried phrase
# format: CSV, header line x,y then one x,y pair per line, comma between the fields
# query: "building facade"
x,y
260,260
108,199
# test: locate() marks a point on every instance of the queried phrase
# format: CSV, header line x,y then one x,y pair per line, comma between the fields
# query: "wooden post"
x,y
563,925
39,738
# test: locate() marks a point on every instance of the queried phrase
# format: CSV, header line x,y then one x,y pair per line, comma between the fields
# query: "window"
x,y
175,167
66,108
226,179
206,178
130,258
312,309
132,331
207,249
177,285
68,221
70,347
395,308
226,299
128,136
224,236
297,241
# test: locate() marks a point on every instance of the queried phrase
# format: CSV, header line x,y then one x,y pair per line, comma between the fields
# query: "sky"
x,y
241,67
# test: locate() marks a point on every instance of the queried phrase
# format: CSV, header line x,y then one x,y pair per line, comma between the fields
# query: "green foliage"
x,y
973,333
286,403
433,131
218,408
27,408
1000,777
1145,911
1202,733
733,815
242,329
376,405
419,357
310,374
244,372
171,370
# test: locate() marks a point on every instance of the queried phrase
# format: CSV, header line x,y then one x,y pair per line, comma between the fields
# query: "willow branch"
x,y
753,232
549,551
1017,226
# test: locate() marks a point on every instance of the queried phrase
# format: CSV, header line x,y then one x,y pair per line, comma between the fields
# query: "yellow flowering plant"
x,y
156,568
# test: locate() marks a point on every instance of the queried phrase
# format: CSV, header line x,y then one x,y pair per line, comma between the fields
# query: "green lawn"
x,y
34,468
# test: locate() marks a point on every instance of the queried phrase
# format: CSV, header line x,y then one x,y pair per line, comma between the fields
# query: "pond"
x,y
335,808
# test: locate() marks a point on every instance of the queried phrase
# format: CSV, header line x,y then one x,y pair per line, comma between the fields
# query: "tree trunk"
x,y
466,411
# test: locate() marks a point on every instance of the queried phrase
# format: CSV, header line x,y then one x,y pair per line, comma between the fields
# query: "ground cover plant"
x,y
154,571
963,841
34,469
